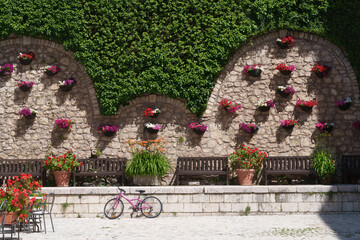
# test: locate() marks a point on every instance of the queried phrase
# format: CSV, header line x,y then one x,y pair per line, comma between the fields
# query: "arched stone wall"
x,y
19,139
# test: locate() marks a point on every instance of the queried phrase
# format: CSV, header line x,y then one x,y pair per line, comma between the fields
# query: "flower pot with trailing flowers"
x,y
288,124
324,127
284,69
284,42
306,106
62,167
28,113
344,105
249,127
246,161
17,192
264,106
285,91
51,70
356,124
108,130
229,106
67,85
63,123
321,71
6,69
24,86
152,128
253,70
153,113
26,58
198,128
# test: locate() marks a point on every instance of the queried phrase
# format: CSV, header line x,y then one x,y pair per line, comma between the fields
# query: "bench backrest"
x,y
288,163
14,167
350,162
110,165
202,163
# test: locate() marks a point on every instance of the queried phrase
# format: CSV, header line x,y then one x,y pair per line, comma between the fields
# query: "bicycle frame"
x,y
136,206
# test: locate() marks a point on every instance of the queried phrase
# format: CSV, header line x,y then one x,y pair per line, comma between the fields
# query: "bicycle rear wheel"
x,y
113,209
151,207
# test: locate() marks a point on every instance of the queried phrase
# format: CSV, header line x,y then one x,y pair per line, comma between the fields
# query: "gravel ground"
x,y
336,226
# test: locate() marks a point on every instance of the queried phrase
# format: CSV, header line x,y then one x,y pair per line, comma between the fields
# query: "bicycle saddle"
x,y
140,191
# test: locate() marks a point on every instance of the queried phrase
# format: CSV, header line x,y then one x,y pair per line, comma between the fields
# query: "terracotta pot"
x,y
9,218
62,178
245,176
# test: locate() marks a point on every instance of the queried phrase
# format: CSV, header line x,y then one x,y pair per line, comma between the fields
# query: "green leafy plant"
x,y
323,164
66,162
246,158
147,158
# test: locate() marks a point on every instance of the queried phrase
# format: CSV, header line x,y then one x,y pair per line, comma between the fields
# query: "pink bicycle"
x,y
150,206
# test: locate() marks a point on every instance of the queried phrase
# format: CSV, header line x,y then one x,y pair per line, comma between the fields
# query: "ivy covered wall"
x,y
176,48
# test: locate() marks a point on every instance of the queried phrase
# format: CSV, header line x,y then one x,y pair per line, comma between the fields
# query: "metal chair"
x,y
3,226
44,208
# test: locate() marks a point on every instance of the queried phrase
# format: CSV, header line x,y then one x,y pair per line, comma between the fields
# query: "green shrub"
x,y
323,164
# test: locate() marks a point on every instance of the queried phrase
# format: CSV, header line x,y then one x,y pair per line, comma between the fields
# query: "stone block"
x,y
216,198
269,207
173,207
210,207
189,189
310,207
332,207
225,207
172,199
193,207
239,207
348,206
90,199
81,208
289,207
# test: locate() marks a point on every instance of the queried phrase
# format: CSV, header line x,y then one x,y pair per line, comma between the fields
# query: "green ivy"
x,y
176,48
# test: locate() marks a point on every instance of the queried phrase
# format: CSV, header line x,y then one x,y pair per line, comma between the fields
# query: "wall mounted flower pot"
x,y
198,131
344,107
109,133
306,108
155,115
282,45
50,73
289,128
254,73
286,72
264,109
320,74
283,94
24,88
10,217
66,88
245,176
25,61
32,116
327,129
152,131
62,178
252,130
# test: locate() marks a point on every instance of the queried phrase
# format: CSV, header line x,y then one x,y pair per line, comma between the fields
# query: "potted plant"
x,y
152,128
284,42
198,128
264,106
26,59
51,69
229,106
64,123
17,193
285,70
323,166
28,113
24,86
67,85
148,162
344,105
108,130
6,69
356,124
248,127
306,105
62,166
253,70
245,161
153,113
285,91
324,127
320,70
288,124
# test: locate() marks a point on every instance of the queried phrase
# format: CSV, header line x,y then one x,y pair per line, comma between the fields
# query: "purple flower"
x,y
7,68
108,128
27,112
198,126
248,127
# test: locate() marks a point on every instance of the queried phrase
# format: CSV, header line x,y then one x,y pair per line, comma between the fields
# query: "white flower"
x,y
348,100
156,110
149,125
281,88
33,111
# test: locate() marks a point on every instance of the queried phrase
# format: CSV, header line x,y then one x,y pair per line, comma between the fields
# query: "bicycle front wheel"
x,y
113,209
151,207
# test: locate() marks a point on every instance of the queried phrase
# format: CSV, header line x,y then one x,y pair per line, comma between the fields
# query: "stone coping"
x,y
204,189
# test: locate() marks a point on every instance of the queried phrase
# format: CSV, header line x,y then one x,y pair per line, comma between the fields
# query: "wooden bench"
x,y
15,167
202,166
101,167
289,165
350,167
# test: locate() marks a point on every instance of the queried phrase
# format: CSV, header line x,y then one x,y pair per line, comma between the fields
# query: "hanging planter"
x,y
285,91
67,85
284,42
285,70
28,113
253,70
325,127
248,127
288,124
153,113
152,128
108,130
64,123
306,106
229,106
344,105
26,59
51,70
321,71
356,124
6,69
25,86
198,128
264,106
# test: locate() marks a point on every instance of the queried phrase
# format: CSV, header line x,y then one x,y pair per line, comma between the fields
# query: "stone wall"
x,y
23,139
213,200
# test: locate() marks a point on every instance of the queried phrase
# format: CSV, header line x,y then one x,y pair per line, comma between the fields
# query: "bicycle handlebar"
x,y
121,190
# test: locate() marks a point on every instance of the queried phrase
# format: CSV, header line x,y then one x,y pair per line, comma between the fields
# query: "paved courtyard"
x,y
336,226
